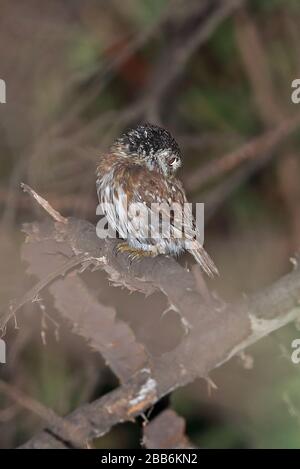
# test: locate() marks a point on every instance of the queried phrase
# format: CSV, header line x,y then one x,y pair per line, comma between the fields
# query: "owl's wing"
x,y
165,199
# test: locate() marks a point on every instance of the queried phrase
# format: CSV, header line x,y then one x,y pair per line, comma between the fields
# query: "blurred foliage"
x,y
57,59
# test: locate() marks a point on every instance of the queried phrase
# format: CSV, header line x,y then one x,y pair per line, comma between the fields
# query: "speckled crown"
x,y
147,139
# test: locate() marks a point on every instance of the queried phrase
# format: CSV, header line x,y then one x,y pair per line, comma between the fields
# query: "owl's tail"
x,y
205,261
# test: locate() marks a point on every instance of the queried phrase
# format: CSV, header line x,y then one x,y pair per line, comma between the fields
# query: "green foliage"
x,y
55,381
269,6
146,11
220,108
223,436
84,53
223,44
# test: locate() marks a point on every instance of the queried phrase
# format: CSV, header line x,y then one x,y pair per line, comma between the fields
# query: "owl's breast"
x,y
115,189
124,185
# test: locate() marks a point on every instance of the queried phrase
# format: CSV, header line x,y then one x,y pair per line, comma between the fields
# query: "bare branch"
x,y
166,431
67,430
254,57
217,337
214,334
171,64
43,203
32,294
256,148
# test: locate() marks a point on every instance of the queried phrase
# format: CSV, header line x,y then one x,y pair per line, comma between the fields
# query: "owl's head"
x,y
153,145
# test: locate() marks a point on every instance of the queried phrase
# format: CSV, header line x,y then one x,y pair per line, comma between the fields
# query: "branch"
x,y
216,339
45,250
193,31
255,149
43,203
213,335
216,197
254,56
67,430
166,431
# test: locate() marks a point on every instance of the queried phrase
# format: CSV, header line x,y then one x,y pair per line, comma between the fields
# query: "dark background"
x,y
77,74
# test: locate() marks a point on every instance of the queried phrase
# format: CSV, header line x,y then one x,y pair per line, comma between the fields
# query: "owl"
x,y
143,200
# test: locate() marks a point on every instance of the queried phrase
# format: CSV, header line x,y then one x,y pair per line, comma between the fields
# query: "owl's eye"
x,y
173,161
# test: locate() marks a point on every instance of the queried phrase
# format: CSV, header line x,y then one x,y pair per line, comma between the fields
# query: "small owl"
x,y
142,199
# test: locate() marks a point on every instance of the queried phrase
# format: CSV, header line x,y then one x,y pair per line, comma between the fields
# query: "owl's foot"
x,y
134,254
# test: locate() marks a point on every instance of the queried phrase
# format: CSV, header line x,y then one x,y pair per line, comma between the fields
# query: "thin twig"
x,y
67,431
256,148
45,204
32,294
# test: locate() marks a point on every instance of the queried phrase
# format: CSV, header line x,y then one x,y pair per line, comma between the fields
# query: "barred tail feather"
x,y
205,261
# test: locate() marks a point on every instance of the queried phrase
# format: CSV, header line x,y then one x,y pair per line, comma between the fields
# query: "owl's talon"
x,y
133,254
124,248
120,247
